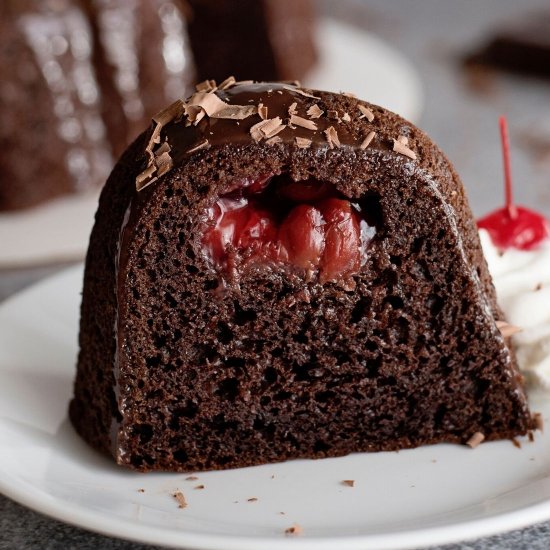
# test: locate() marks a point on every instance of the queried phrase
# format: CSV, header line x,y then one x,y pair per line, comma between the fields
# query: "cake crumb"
x,y
516,443
294,530
141,490
539,422
182,503
538,287
475,440
199,486
282,513
191,478
253,499
349,482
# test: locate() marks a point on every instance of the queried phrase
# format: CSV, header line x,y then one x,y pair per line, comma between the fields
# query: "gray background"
x,y
462,119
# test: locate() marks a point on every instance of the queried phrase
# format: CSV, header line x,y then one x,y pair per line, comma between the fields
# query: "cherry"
x,y
241,224
306,225
302,237
513,226
525,230
342,256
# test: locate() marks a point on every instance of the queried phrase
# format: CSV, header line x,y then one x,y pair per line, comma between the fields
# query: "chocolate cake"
x,y
259,39
278,272
80,79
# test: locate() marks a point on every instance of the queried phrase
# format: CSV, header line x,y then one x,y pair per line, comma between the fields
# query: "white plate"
x,y
56,231
350,60
430,495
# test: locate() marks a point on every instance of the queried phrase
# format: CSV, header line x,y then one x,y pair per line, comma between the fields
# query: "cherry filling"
x,y
308,225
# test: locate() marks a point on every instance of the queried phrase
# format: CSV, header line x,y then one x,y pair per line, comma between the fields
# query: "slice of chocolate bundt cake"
x,y
277,273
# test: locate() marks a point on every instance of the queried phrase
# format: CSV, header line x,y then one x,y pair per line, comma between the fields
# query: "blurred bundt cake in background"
x,y
80,78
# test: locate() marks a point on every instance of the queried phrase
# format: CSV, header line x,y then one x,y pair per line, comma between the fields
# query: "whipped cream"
x,y
522,282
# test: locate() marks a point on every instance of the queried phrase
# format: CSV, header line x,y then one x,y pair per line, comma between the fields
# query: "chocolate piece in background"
x,y
521,47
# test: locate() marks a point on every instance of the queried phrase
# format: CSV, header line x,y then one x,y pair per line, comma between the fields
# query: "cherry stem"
x,y
510,206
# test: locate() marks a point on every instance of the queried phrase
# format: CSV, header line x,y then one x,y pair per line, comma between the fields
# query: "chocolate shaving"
x,y
402,149
349,94
349,482
164,148
146,178
475,440
302,143
236,112
267,128
163,163
366,113
506,329
314,111
539,422
170,113
262,111
227,83
332,137
299,91
210,104
204,144
294,530
182,503
206,86
293,109
346,117
244,82
366,142
191,478
403,139
303,122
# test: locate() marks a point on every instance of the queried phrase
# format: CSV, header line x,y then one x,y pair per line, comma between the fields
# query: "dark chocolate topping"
x,y
186,127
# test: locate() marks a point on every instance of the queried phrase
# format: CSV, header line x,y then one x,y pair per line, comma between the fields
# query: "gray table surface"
x,y
462,119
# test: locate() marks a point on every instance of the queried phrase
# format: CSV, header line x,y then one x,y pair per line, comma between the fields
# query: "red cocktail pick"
x,y
513,226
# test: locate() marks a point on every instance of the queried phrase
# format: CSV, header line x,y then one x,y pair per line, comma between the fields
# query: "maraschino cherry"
x,y
513,226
